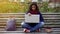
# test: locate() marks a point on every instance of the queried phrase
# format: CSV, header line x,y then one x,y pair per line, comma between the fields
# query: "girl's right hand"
x,y
29,14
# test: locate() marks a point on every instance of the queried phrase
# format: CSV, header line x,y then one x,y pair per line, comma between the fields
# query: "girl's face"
x,y
33,7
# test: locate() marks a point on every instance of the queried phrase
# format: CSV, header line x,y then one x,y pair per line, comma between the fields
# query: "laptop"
x,y
32,18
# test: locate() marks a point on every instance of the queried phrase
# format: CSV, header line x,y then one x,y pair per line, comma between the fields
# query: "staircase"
x,y
51,20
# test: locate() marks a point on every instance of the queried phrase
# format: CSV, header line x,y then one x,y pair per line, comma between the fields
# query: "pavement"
x,y
20,31
27,33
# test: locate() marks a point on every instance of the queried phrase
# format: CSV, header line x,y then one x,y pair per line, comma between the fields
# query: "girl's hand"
x,y
29,14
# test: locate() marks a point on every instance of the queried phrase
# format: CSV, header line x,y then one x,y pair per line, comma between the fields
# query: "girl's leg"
x,y
25,25
37,26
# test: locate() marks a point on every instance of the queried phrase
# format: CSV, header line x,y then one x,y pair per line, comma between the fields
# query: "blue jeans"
x,y
39,25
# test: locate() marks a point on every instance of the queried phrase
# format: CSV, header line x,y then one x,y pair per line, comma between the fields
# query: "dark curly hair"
x,y
30,8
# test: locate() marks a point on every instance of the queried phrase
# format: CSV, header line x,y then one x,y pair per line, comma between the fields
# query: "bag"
x,y
11,25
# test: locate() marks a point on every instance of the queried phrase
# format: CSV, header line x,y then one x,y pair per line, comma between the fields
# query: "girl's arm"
x,y
41,18
28,13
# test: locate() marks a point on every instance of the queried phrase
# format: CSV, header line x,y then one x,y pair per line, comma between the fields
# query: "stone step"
x,y
24,13
47,22
20,16
53,26
22,19
4,24
31,33
20,30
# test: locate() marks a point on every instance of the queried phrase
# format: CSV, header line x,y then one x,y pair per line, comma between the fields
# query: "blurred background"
x,y
21,6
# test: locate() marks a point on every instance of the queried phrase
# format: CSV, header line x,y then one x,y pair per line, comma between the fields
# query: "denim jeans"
x,y
39,25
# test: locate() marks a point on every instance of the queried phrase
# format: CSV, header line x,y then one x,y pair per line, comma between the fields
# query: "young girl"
x,y
11,24
31,27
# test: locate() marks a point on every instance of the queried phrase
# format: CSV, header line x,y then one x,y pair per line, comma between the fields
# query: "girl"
x,y
31,27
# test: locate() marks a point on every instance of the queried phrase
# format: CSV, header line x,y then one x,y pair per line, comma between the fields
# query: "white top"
x,y
32,18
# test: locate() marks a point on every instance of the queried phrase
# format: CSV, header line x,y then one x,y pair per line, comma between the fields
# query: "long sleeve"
x,y
41,18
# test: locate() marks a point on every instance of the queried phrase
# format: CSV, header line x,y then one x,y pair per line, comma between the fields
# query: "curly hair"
x,y
30,8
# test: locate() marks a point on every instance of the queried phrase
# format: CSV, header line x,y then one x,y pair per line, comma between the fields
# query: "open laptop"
x,y
32,18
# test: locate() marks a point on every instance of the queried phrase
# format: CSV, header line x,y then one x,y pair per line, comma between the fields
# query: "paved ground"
x,y
20,31
27,33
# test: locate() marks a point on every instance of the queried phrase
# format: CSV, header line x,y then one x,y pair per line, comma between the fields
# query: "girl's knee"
x,y
22,23
42,23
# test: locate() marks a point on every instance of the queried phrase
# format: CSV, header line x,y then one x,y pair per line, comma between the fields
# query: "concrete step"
x,y
20,30
53,26
30,33
22,19
20,15
46,24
